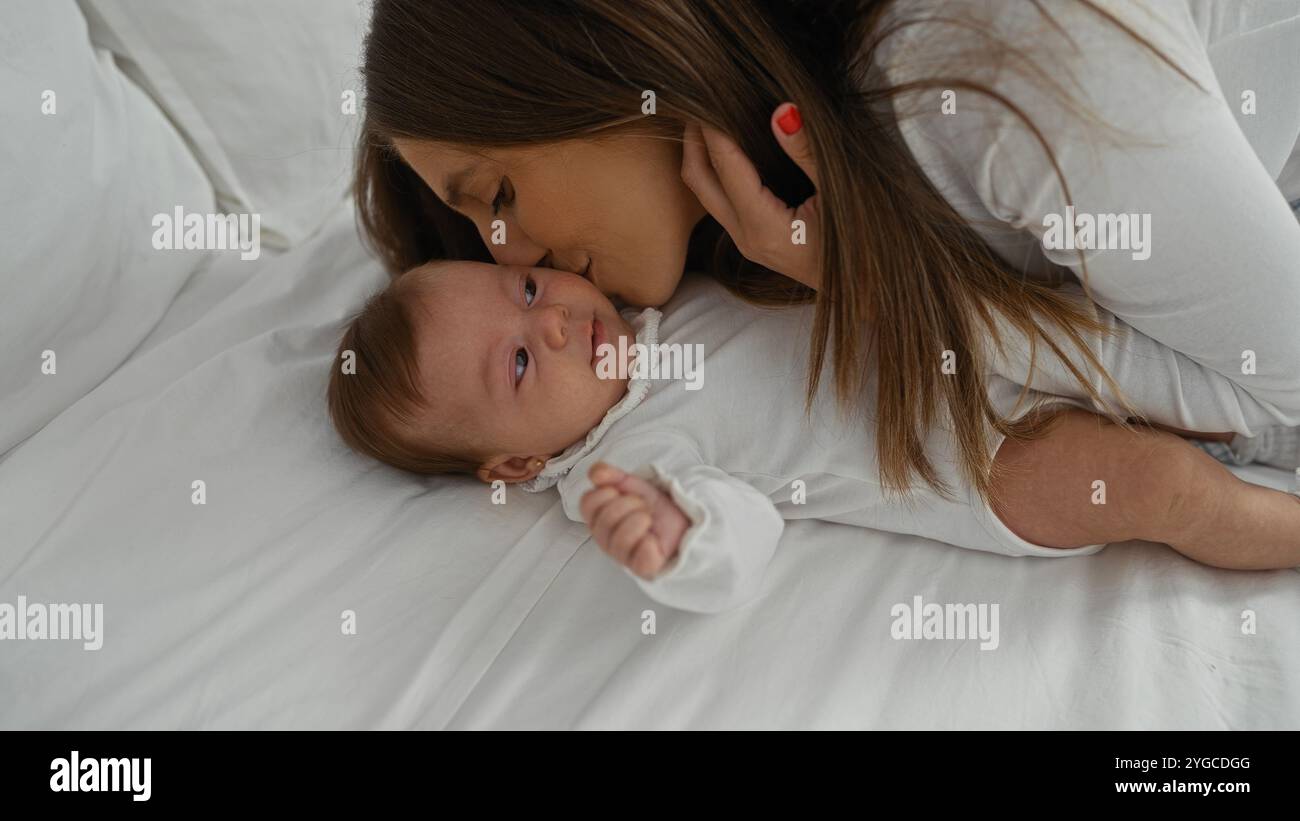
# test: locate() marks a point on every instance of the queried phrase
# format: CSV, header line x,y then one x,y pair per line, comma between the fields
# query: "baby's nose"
x,y
557,326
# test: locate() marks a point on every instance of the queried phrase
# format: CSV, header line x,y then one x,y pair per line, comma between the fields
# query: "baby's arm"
x,y
693,537
1159,488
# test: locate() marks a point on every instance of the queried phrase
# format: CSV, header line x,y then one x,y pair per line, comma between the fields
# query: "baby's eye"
x,y
521,364
528,283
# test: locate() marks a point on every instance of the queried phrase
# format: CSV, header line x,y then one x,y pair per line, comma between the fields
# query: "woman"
x,y
925,150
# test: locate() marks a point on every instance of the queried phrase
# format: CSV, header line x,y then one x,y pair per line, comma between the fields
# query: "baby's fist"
x,y
632,520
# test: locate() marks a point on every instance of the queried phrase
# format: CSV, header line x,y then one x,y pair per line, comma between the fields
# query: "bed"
x,y
312,588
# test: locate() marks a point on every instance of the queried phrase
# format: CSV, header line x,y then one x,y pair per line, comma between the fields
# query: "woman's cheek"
x,y
661,283
663,292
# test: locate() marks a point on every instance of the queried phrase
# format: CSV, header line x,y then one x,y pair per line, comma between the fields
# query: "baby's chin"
x,y
625,329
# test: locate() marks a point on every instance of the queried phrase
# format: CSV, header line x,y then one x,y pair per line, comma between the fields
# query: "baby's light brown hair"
x,y
380,410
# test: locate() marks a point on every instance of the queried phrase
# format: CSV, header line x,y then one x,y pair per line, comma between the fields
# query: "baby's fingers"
x,y
595,499
647,558
640,487
603,473
627,534
610,517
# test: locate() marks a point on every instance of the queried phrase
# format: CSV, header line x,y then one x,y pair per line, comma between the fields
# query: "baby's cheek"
x,y
575,407
601,395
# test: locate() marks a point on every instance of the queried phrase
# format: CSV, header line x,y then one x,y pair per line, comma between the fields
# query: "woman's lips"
x,y
598,338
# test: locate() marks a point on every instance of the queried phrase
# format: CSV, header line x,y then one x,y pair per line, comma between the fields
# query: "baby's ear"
x,y
510,469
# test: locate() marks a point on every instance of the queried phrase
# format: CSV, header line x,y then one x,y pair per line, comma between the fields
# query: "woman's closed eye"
x,y
504,196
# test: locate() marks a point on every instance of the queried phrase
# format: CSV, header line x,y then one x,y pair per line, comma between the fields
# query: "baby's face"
x,y
513,352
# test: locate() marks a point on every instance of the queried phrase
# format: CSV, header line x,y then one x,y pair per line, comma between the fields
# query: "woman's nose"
x,y
562,262
510,245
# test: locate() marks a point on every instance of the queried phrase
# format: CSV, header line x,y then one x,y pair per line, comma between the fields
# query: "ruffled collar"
x,y
646,325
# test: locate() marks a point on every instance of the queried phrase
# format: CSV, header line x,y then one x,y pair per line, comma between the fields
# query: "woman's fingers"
x,y
787,127
699,175
736,174
756,206
764,228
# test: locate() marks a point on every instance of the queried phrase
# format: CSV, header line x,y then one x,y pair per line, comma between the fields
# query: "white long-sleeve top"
x,y
739,456
1214,169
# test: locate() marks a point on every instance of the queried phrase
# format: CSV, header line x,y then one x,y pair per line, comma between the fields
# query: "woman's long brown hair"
x,y
904,279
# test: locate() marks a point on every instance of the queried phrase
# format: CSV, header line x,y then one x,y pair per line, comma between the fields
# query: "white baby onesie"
x,y
738,455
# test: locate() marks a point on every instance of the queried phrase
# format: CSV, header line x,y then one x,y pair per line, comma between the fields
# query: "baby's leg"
x,y
1158,487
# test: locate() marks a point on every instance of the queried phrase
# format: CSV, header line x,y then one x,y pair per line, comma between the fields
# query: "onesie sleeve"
x,y
1162,384
734,529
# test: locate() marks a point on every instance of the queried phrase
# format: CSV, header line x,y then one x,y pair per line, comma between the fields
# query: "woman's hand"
x,y
763,227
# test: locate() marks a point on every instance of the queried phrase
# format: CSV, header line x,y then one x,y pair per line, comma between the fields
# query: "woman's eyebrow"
x,y
452,185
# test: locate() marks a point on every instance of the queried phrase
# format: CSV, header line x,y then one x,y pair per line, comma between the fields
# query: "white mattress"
x,y
228,615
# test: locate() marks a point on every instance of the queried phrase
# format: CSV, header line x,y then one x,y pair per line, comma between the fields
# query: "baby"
x,y
514,374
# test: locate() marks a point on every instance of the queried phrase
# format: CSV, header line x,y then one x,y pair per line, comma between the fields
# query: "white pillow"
x,y
88,161
258,88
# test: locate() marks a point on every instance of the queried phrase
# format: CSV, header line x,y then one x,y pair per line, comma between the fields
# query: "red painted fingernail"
x,y
790,121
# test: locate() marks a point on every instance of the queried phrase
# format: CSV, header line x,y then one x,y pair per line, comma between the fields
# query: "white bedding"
x,y
469,614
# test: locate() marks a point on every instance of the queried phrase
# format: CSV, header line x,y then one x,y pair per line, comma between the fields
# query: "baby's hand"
x,y
632,520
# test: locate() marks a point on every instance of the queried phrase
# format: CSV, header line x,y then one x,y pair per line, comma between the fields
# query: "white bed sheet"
x,y
469,614
1135,637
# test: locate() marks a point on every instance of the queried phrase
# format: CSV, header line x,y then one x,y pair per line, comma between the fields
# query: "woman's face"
x,y
613,209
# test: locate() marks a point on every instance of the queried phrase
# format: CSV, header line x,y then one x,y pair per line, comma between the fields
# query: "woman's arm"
x,y
1165,386
1158,487
1219,277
